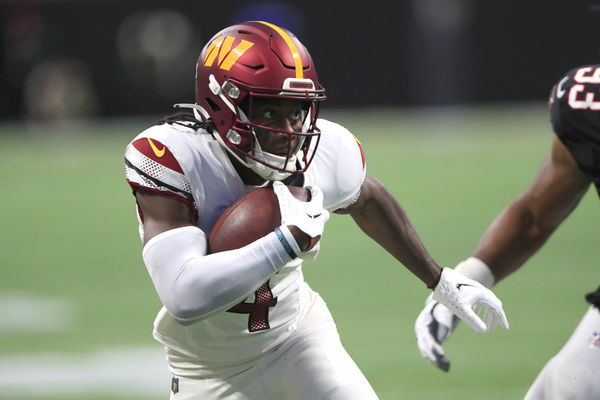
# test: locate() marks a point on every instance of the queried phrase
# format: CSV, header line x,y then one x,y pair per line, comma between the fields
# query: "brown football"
x,y
251,217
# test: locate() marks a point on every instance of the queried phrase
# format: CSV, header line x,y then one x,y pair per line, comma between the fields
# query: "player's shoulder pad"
x,y
152,144
150,161
571,90
336,136
340,154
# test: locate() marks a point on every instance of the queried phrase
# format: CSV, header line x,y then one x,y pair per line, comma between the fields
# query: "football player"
x,y
525,225
243,324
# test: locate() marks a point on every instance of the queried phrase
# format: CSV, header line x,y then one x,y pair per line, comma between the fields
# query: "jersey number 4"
x,y
258,318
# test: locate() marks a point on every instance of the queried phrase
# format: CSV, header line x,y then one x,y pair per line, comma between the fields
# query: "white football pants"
x,y
312,364
574,373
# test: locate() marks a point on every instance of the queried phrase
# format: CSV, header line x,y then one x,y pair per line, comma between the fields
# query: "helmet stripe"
x,y
225,47
235,54
288,40
213,50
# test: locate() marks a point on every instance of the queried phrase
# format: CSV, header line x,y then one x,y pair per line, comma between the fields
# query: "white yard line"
x,y
24,312
115,371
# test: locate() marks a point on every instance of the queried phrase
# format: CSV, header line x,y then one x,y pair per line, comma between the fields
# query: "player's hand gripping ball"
x,y
251,217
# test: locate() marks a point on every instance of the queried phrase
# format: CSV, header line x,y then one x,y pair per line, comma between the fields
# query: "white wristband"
x,y
477,270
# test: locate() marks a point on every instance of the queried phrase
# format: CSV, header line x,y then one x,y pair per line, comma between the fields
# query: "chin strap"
x,y
199,112
265,171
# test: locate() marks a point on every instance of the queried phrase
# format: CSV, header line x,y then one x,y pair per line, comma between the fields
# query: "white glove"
x,y
308,216
311,254
436,322
433,326
466,297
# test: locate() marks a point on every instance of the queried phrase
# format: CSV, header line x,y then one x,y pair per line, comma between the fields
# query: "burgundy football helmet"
x,y
257,59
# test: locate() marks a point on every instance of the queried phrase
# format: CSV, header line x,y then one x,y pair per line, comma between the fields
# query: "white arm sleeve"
x,y
193,285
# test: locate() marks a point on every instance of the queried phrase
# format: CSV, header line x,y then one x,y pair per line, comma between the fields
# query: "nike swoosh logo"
x,y
159,153
314,216
463,284
560,92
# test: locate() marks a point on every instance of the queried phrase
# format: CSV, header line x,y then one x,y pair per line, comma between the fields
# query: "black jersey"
x,y
575,114
594,298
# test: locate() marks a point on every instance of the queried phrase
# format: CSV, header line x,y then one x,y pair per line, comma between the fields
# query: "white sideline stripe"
x,y
139,371
24,312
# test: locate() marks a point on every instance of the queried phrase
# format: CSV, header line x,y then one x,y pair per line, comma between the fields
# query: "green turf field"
x,y
77,304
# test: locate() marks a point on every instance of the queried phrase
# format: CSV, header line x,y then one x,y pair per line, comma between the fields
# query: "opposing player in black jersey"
x,y
524,226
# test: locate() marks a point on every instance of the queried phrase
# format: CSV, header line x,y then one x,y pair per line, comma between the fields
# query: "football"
x,y
251,217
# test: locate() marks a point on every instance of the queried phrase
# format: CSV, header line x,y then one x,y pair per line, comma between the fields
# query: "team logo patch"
x,y
227,57
595,340
174,385
157,152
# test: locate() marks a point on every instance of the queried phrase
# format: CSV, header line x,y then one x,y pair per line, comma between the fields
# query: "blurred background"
x,y
94,58
448,98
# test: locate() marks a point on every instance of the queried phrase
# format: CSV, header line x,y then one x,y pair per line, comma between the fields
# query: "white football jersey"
x,y
191,166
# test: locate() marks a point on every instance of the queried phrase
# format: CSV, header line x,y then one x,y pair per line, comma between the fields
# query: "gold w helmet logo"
x,y
227,57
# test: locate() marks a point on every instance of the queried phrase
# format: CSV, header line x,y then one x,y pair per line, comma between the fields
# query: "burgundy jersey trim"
x,y
362,153
156,151
362,156
150,163
157,182
169,195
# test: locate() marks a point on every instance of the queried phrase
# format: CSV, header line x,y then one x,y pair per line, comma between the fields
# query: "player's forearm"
x,y
382,218
510,240
193,285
